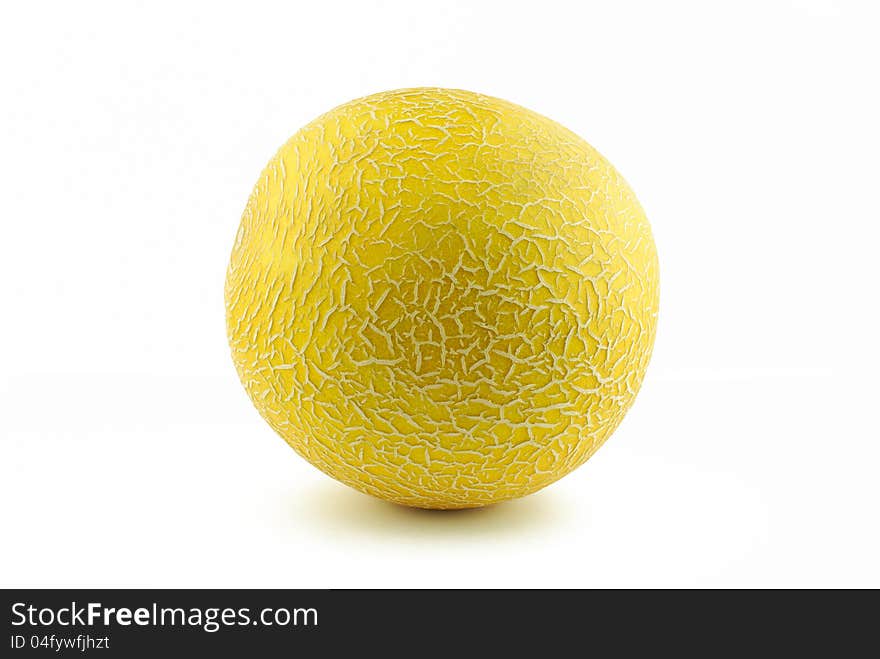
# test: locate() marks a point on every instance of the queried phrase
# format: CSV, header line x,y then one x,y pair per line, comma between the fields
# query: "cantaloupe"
x,y
441,298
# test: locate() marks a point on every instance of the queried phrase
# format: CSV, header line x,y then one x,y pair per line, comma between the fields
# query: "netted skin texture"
x,y
441,298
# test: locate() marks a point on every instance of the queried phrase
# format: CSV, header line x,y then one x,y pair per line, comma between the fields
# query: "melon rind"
x,y
441,298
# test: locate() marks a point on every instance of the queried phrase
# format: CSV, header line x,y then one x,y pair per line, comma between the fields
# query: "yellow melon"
x,y
441,298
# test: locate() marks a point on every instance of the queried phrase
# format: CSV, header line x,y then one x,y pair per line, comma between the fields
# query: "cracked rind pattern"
x,y
441,298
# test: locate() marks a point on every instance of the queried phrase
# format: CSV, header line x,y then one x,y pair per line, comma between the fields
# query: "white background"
x,y
130,137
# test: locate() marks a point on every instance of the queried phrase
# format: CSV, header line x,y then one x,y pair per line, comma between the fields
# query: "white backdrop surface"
x,y
130,138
